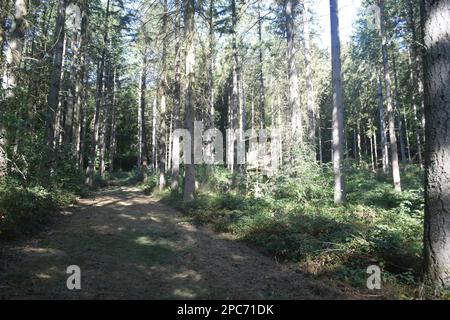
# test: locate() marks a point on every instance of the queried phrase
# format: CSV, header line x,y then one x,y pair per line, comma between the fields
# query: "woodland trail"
x,y
129,246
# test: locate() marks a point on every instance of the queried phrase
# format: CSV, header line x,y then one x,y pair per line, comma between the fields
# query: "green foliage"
x,y
293,219
149,187
22,210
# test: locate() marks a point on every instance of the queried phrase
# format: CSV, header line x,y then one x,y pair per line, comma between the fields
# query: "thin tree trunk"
x,y
98,103
384,155
163,105
53,98
141,116
294,95
309,78
262,92
338,107
80,76
104,128
112,139
189,183
390,106
398,113
437,101
417,81
175,184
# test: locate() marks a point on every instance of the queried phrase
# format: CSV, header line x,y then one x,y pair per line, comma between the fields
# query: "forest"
x,y
224,149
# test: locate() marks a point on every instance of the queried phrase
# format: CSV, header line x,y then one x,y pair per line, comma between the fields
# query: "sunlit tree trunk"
x,y
416,79
309,78
384,151
437,101
294,94
390,106
175,184
338,107
142,141
398,113
163,104
262,90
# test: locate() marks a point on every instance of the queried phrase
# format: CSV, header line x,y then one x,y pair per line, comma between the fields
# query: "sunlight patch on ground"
x,y
184,294
189,274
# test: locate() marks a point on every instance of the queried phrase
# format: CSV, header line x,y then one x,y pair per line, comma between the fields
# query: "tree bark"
x,y
309,78
384,151
437,102
189,183
294,95
53,98
338,107
141,115
175,184
163,105
112,139
262,90
98,102
390,106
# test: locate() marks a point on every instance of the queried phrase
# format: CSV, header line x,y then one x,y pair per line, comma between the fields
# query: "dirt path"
x,y
129,246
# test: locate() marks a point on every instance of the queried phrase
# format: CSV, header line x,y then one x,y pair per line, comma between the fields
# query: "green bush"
x,y
149,187
22,210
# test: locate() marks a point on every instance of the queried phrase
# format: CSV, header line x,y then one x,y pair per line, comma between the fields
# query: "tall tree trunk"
x,y
14,52
106,112
141,115
294,94
262,92
384,151
112,139
53,98
189,182
309,78
211,53
13,61
338,107
235,104
417,81
163,105
98,102
390,106
79,78
417,126
154,132
437,102
175,184
398,113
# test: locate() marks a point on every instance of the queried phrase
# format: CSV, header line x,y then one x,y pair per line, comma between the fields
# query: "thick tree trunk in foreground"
x,y
189,182
338,107
53,98
390,106
437,103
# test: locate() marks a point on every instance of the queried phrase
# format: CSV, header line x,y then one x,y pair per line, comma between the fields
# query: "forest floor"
x,y
130,246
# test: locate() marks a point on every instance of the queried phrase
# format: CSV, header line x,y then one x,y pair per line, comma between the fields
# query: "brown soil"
x,y
129,246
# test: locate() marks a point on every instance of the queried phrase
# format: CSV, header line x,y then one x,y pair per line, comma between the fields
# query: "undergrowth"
x,y
291,217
